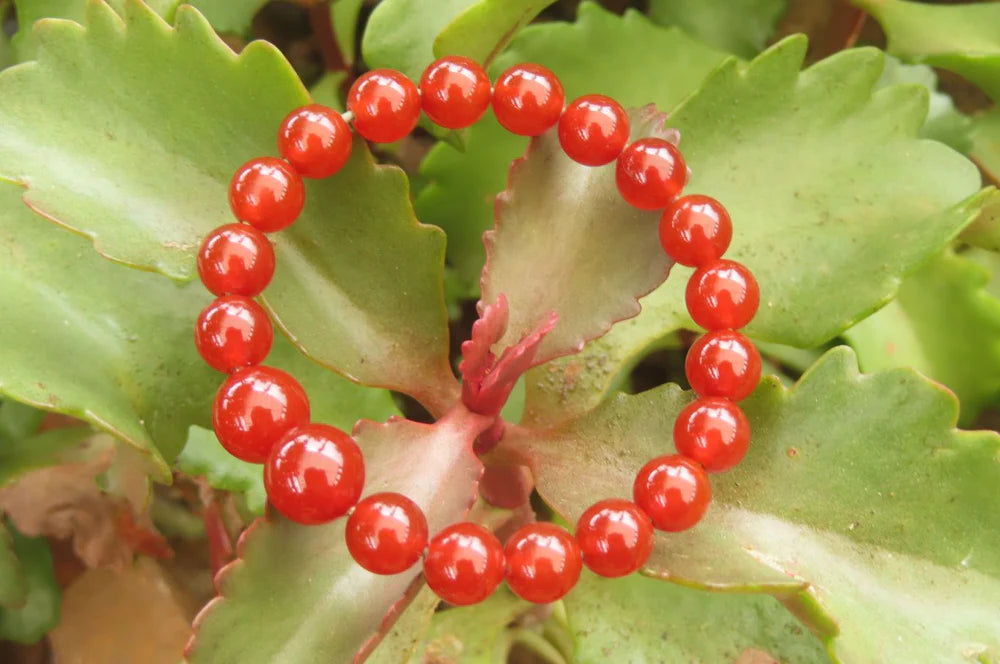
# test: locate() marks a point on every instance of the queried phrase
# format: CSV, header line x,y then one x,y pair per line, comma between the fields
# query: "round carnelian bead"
x,y
454,92
674,491
721,295
714,432
386,533
543,562
464,564
615,537
233,332
695,230
385,104
528,99
254,408
650,173
314,474
267,193
723,363
593,130
236,259
315,140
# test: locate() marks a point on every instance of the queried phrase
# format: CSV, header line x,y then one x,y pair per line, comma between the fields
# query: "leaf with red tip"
x,y
566,242
295,595
477,358
487,381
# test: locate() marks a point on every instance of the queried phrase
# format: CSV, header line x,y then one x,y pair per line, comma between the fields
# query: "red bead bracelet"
x,y
315,473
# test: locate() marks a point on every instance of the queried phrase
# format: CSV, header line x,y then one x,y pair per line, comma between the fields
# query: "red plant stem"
x,y
220,545
322,26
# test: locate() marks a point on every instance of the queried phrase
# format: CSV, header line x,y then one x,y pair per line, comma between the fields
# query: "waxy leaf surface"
x,y
833,197
296,595
143,170
740,27
858,505
963,353
667,622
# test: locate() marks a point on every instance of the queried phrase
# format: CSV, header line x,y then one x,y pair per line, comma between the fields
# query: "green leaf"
x,y
403,639
97,341
26,41
476,634
40,612
741,27
984,232
944,122
408,35
13,586
596,256
233,16
50,448
943,324
986,142
344,16
600,52
482,31
204,456
963,38
296,595
664,622
143,170
858,504
821,175
18,421
333,400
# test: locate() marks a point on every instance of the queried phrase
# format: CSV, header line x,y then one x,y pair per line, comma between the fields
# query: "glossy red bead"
x,y
593,130
236,259
674,491
454,92
695,230
615,537
385,104
233,332
714,432
722,294
386,533
528,99
254,408
543,562
314,474
723,363
650,173
315,140
267,193
464,564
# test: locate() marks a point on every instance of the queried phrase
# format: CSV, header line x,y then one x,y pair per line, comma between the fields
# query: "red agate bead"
x,y
593,130
233,332
528,99
386,533
454,92
722,294
615,536
314,474
674,491
315,140
723,363
267,193
254,408
650,173
464,564
695,230
714,432
543,562
236,259
385,104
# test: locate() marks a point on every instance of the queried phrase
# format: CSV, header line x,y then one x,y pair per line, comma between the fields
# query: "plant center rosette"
x,y
315,473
